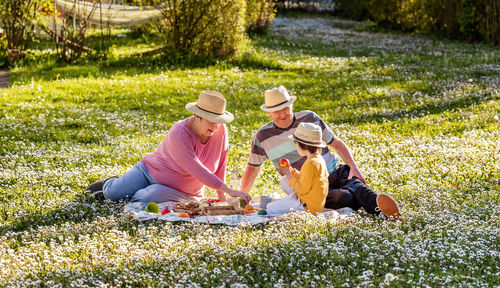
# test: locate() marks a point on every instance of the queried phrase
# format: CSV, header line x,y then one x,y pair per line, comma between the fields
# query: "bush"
x,y
259,14
206,28
17,20
471,20
353,9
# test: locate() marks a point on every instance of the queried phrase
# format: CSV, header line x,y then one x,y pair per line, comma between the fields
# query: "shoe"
x,y
96,188
388,206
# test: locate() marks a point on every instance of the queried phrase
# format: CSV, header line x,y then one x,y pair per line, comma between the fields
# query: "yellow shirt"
x,y
311,183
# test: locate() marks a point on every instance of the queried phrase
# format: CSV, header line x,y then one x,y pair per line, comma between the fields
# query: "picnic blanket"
x,y
136,211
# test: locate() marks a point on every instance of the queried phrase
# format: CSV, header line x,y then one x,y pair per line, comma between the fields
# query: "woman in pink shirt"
x,y
192,155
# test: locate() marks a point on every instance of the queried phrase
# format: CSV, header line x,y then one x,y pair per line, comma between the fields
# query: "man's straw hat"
x,y
276,99
309,134
211,105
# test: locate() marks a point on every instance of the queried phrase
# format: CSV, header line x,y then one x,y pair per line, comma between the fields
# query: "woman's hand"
x,y
221,196
241,194
235,193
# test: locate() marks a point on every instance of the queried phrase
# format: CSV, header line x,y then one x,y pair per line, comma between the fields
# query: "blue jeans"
x,y
138,185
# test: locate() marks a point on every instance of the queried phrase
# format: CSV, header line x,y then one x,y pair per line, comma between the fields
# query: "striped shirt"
x,y
271,142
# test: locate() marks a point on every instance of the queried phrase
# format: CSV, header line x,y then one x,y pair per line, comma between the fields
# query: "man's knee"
x,y
354,184
339,198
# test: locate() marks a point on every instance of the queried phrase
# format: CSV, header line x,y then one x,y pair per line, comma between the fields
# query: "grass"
x,y
419,114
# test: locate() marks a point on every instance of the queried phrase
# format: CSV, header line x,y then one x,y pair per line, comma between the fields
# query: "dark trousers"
x,y
351,193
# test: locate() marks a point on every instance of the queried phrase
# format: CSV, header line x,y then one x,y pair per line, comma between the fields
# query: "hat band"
x,y
307,142
278,104
209,111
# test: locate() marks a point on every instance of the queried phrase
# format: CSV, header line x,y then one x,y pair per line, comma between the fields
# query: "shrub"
x,y
206,28
259,14
471,20
17,20
353,9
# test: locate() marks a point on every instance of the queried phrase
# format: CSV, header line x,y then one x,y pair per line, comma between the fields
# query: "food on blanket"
x,y
242,202
212,203
231,211
210,200
207,207
183,215
262,212
284,163
249,209
152,207
165,211
191,208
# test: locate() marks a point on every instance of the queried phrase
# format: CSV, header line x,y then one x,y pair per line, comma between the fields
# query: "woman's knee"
x,y
114,191
160,193
144,195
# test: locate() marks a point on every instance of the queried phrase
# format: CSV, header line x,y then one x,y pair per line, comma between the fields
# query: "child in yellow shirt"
x,y
311,183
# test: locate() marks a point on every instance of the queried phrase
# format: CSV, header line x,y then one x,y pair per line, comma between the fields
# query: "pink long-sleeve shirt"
x,y
182,162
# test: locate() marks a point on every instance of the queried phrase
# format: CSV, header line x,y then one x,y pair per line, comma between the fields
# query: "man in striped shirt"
x,y
347,188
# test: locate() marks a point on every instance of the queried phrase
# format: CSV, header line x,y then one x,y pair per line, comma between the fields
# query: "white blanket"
x,y
136,211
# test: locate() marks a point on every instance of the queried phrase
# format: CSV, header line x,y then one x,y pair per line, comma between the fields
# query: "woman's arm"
x,y
221,169
181,151
234,193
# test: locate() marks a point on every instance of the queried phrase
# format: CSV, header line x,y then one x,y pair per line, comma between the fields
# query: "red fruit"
x,y
284,163
165,211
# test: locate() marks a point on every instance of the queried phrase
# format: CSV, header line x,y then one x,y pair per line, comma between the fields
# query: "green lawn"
x,y
421,116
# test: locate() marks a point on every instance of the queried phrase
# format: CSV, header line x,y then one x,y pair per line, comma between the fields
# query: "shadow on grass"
x,y
84,208
133,66
419,111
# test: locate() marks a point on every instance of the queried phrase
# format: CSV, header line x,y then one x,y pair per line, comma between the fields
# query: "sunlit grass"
x,y
420,115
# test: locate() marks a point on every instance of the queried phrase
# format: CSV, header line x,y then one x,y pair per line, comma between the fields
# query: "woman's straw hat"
x,y
211,105
276,99
309,134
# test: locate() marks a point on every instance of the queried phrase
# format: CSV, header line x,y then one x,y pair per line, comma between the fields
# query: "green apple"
x,y
152,208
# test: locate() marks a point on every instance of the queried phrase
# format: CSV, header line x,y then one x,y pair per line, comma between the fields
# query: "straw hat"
x,y
211,105
309,134
276,99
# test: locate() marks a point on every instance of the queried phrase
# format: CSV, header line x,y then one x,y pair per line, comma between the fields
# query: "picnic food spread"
x,y
207,207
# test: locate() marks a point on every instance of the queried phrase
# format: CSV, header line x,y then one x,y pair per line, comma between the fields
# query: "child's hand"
x,y
285,171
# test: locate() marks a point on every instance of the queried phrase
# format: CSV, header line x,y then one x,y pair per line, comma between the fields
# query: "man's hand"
x,y
354,172
343,151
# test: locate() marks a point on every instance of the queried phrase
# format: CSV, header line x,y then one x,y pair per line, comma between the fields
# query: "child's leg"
x,y
285,186
286,205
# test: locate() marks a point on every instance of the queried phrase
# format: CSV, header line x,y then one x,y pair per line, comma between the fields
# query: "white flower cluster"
x,y
419,115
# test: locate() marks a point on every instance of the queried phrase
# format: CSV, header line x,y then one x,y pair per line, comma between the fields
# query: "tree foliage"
x,y
206,28
471,20
259,14
18,20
